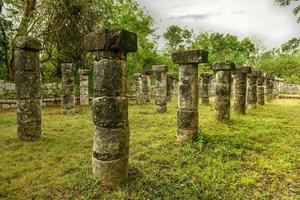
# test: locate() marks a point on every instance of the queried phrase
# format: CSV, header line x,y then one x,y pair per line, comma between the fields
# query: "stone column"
x,y
84,87
110,103
188,93
160,72
170,87
146,85
205,83
138,88
28,87
261,89
269,88
252,90
240,90
223,89
68,88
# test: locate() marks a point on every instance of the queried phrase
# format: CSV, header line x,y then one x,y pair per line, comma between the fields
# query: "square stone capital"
x,y
84,72
190,57
147,72
255,73
159,68
205,75
111,40
242,70
223,66
27,43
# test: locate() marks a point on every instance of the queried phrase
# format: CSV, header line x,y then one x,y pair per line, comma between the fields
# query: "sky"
x,y
262,20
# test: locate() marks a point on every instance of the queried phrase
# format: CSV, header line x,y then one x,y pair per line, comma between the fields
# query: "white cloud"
x,y
262,19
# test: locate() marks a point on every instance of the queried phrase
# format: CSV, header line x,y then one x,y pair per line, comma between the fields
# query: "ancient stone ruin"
x,y
170,86
139,88
68,88
240,89
28,87
223,89
146,85
269,88
261,89
187,120
110,103
204,88
160,72
84,87
252,89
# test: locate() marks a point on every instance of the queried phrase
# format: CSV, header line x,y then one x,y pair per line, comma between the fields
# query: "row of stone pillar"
x,y
110,102
28,87
164,87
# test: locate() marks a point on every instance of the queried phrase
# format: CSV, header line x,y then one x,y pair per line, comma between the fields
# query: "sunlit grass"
x,y
251,157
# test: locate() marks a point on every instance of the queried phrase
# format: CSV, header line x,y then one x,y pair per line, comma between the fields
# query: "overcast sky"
x,y
261,19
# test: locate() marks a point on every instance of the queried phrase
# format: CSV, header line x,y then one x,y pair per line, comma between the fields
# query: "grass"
x,y
252,157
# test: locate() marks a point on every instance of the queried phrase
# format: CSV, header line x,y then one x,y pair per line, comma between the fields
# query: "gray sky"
x,y
262,19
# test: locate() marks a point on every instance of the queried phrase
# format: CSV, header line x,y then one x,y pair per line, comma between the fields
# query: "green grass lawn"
x,y
252,157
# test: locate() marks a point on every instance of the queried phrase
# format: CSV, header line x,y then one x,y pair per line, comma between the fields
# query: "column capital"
x,y
224,66
111,40
159,68
27,43
190,57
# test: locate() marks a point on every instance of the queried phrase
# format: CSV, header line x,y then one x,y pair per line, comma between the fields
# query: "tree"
x,y
225,47
291,46
296,10
177,38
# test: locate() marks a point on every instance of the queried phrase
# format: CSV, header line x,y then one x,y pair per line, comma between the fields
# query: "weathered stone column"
x,y
188,93
84,87
28,87
205,83
138,88
269,88
240,90
261,89
68,88
110,103
276,88
170,87
223,89
252,90
146,85
160,72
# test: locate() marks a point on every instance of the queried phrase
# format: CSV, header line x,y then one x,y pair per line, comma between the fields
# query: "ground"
x,y
251,157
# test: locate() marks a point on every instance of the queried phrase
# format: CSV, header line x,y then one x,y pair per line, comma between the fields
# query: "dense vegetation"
x,y
252,157
61,26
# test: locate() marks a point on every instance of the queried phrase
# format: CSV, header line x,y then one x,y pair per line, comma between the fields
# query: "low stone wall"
x,y
290,89
7,89
12,103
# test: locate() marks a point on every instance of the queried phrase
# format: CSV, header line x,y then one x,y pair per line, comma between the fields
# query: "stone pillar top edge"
x,y
147,72
84,71
206,75
27,43
224,66
190,57
111,40
159,68
244,70
255,73
171,76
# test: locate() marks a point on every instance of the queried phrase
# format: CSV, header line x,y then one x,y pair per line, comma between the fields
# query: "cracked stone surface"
x,y
188,97
223,89
110,104
28,87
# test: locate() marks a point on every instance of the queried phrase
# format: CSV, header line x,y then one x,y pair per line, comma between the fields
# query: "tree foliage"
x,y
296,9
